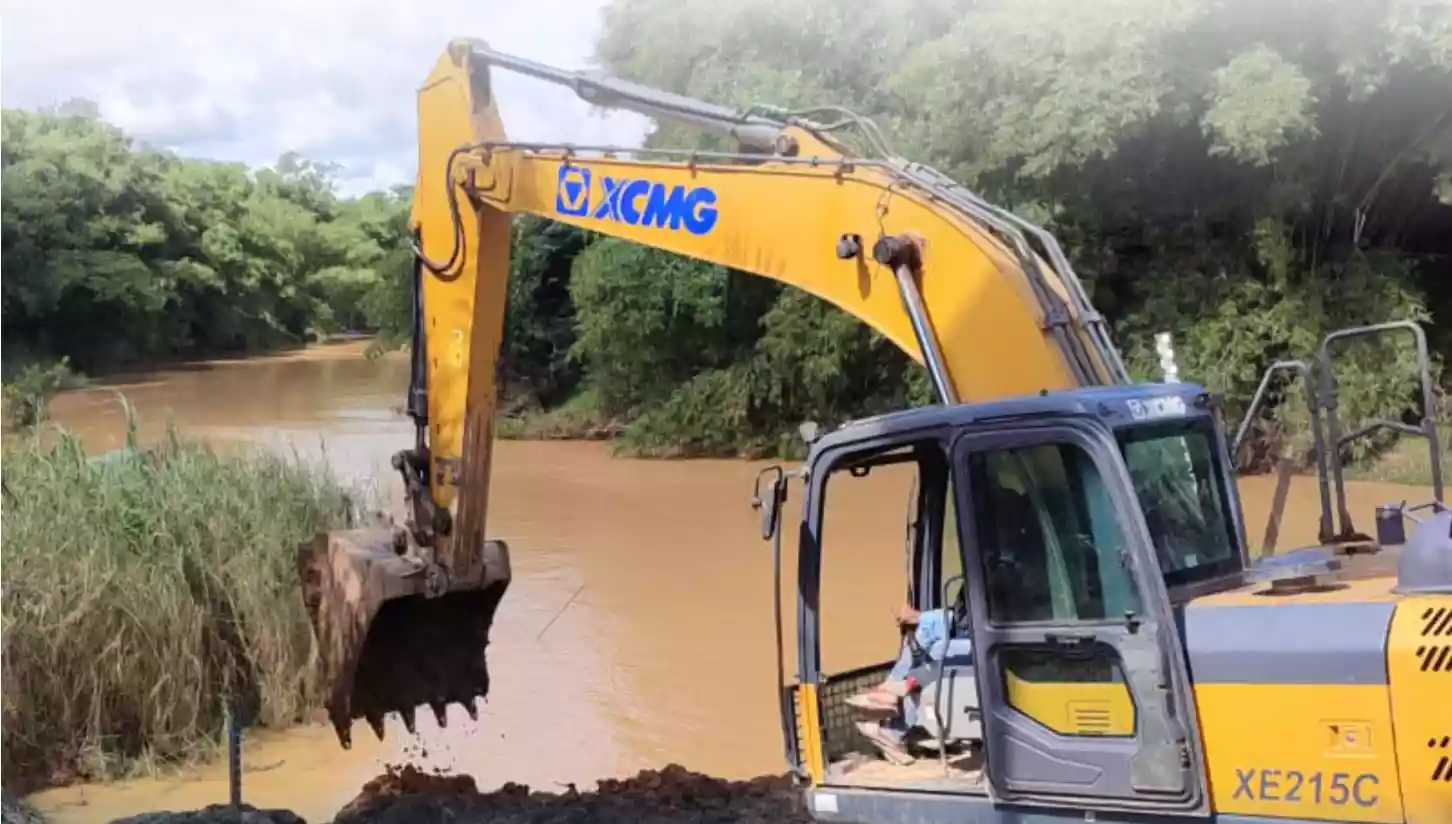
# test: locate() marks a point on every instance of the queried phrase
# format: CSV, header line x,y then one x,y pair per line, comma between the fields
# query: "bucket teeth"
x,y
386,653
472,707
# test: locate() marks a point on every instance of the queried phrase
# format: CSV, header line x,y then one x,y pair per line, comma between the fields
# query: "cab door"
x,y
1083,687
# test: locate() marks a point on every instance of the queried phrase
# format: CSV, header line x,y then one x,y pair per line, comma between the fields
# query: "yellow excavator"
x,y
1108,647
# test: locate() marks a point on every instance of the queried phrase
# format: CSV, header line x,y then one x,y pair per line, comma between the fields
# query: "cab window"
x,y
1177,479
1052,548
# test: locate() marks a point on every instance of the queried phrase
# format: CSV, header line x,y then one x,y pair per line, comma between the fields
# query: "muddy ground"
x,y
407,795
17,811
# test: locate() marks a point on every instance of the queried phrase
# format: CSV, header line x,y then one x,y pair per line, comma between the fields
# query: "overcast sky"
x,y
333,79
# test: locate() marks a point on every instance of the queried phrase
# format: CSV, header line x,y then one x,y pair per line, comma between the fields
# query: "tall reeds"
x,y
142,590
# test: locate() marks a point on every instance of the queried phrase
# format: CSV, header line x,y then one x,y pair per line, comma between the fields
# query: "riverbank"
x,y
141,587
668,431
580,419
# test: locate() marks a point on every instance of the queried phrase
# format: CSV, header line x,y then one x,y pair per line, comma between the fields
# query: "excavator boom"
x,y
986,301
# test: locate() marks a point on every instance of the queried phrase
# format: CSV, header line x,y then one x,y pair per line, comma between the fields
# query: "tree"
x,y
114,252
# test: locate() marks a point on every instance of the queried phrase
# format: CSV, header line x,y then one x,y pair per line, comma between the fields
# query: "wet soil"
x,y
408,795
217,814
673,795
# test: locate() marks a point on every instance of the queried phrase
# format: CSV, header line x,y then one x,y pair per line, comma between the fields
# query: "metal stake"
x,y
234,756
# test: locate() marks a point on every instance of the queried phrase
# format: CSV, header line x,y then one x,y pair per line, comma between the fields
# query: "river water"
x,y
637,631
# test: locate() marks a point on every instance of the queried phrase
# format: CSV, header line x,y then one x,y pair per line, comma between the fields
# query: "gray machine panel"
x,y
1306,643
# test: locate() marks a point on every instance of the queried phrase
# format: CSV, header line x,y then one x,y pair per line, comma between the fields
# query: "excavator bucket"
x,y
393,632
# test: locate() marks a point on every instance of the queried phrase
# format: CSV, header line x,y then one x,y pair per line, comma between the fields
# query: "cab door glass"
x,y
1053,552
1179,486
1052,548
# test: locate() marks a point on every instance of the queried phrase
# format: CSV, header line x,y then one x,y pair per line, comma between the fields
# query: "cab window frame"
x,y
811,539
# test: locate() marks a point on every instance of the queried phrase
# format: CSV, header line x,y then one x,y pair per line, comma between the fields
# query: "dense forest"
x,y
115,252
1246,175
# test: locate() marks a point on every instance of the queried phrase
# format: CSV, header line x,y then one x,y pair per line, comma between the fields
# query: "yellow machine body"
x,y
1309,736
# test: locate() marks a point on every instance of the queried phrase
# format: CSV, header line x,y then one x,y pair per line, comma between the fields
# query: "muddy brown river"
x,y
638,629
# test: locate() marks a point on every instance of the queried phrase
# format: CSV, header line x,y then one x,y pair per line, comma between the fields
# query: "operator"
x,y
930,634
889,735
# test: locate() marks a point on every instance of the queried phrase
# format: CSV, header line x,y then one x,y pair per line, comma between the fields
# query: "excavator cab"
x,y
1120,657
1062,681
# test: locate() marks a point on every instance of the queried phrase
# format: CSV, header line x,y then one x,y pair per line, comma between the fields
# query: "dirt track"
x,y
406,795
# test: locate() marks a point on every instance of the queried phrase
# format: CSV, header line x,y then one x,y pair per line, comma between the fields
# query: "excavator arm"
x,y
986,301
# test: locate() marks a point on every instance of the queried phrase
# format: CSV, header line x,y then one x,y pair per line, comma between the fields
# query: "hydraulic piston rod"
x,y
752,131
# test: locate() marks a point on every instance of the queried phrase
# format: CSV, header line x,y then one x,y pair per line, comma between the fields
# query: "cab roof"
x,y
1116,405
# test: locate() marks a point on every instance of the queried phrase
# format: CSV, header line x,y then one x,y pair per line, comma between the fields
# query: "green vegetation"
x,y
144,586
116,252
26,394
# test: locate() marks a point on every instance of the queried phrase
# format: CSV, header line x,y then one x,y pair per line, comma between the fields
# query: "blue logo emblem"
x,y
573,197
636,202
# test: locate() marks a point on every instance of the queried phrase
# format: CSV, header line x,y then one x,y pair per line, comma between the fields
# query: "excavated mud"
x,y
382,656
216,814
408,795
671,796
17,811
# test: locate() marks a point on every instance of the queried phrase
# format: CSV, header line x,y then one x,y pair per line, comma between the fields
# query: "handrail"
x,y
1327,530
1328,395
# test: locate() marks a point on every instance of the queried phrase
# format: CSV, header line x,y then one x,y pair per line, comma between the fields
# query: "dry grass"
x,y
143,587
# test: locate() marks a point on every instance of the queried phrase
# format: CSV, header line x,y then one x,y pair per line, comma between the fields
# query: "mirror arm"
x,y
769,503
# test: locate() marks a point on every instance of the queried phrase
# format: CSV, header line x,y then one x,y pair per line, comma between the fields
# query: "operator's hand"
x,y
907,616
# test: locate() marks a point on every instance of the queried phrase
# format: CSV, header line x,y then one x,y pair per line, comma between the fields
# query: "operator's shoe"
x,y
882,698
886,743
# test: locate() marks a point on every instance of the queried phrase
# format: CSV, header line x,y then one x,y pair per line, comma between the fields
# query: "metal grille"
x,y
1090,719
839,729
1437,623
1436,657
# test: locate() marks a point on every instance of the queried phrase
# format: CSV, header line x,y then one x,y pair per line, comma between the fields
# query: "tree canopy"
x,y
115,251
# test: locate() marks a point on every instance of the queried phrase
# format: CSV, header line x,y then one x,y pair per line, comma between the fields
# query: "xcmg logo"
x,y
636,202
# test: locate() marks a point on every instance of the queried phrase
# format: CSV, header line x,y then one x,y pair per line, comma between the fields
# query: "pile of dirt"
x,y
409,781
18,811
673,795
216,814
408,795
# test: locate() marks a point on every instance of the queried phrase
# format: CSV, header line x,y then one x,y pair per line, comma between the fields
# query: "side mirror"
x,y
769,500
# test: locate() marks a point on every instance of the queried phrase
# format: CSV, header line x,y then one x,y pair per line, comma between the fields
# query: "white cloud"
x,y
332,79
